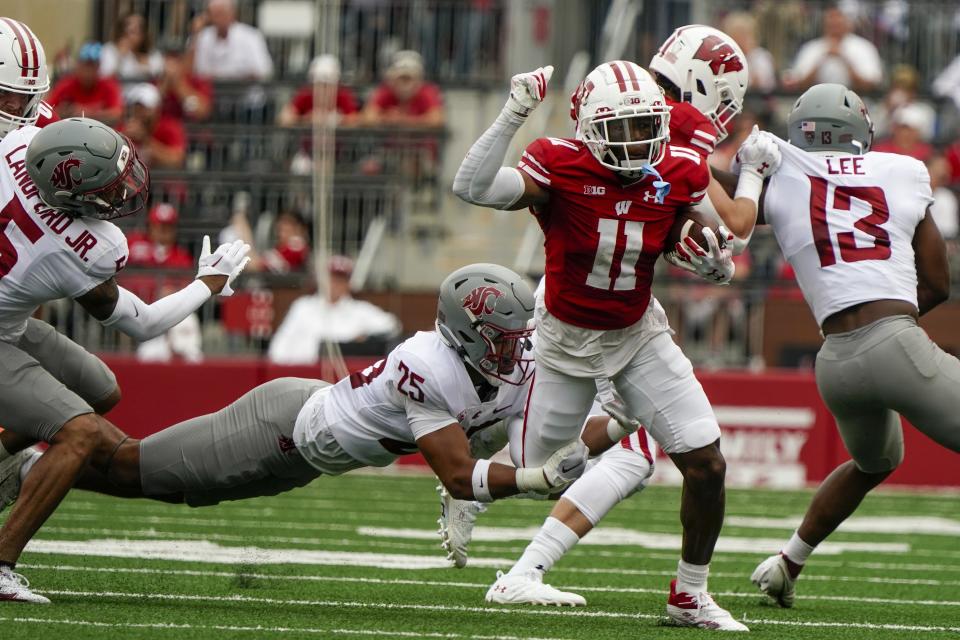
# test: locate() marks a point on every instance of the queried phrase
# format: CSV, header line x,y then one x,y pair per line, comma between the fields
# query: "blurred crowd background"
x,y
327,132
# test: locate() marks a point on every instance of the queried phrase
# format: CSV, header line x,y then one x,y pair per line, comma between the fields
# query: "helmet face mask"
x,y
483,312
710,71
23,71
622,117
85,168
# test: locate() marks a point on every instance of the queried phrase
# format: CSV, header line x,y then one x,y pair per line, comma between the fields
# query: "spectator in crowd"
x,y
131,55
904,83
158,246
336,317
338,104
404,97
906,137
224,49
161,140
839,56
84,92
742,27
182,342
947,83
290,250
183,95
945,209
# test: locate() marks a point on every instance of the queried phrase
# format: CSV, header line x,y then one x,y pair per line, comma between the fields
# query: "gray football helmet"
x,y
484,313
84,167
830,117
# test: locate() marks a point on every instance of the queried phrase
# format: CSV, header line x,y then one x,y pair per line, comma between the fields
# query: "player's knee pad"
x,y
611,478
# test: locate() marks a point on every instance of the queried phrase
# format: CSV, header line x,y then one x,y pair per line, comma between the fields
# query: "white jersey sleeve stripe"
x,y
534,174
530,158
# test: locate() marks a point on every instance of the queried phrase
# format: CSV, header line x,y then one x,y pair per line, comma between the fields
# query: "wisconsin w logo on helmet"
x,y
64,176
719,55
482,300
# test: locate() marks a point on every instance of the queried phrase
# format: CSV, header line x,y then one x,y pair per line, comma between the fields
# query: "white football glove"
x,y
713,263
566,465
527,91
759,154
228,260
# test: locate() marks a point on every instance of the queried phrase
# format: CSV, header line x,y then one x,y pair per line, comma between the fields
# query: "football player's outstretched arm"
x,y
482,179
933,270
759,158
113,305
447,451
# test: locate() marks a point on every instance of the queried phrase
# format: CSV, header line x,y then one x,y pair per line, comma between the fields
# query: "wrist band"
x,y
750,184
531,479
481,481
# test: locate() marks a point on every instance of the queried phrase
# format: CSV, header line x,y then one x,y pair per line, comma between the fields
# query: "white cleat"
x,y
529,588
773,578
15,588
457,518
700,610
10,476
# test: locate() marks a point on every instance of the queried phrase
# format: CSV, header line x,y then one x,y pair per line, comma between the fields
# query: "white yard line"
x,y
381,606
454,584
260,629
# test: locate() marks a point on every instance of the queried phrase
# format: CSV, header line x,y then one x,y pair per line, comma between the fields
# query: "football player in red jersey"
x,y
703,73
606,201
23,78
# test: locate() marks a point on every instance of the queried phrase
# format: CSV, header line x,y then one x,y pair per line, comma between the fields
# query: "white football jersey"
x,y
846,222
422,386
45,254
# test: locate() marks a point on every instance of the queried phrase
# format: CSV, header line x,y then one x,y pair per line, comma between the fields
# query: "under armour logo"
x,y
649,195
763,167
623,207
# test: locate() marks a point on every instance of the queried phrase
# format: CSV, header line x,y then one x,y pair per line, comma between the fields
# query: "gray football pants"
x,y
868,376
46,379
242,451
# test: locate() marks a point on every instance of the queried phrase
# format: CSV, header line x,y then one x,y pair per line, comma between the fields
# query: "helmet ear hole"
x,y
701,88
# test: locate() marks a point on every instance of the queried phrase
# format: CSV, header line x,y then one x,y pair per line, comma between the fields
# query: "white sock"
x,y
552,541
692,578
797,550
26,466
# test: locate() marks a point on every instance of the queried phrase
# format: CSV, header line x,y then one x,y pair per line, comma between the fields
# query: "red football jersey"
x,y
603,237
690,128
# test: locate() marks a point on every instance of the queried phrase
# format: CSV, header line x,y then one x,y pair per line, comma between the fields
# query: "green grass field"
x,y
360,559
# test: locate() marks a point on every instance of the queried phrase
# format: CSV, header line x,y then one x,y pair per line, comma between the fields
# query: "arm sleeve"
x,y
418,386
143,321
482,179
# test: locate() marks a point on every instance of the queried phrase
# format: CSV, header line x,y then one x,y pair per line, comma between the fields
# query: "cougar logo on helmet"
x,y
64,176
718,54
481,300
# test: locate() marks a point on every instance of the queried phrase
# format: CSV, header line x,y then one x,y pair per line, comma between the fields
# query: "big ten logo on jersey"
x,y
594,190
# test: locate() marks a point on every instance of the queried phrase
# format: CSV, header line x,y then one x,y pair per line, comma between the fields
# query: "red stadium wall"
x,y
777,432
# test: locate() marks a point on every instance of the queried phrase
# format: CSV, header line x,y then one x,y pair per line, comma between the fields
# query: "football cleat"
x,y
529,588
457,518
15,588
699,610
773,578
10,476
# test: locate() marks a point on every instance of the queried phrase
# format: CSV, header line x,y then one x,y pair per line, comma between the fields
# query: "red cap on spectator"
x,y
163,213
340,266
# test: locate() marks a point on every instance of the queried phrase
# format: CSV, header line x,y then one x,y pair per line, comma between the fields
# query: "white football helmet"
x,y
708,68
622,116
23,71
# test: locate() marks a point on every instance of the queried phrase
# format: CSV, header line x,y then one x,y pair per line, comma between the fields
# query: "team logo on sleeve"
x,y
717,54
482,300
66,175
